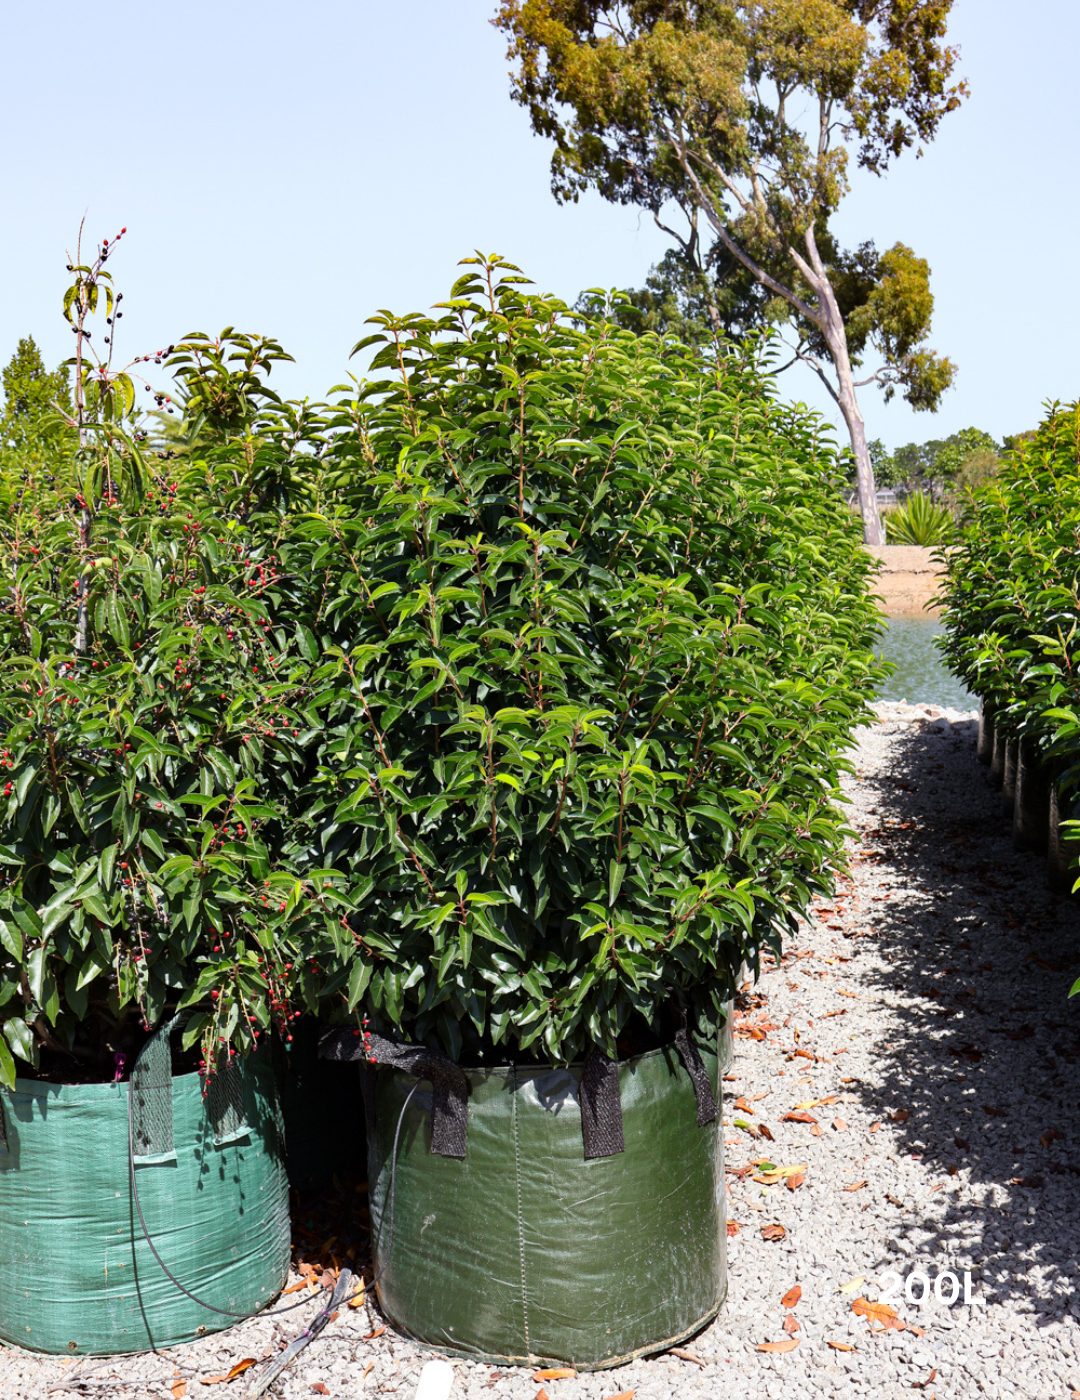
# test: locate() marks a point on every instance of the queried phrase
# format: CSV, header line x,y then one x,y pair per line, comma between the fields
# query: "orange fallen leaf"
x,y
840,992
874,1127
840,1346
773,1232
179,1388
372,1335
789,1345
319,1388
357,1300
794,1182
816,1130
856,1186
763,1129
839,1125
237,1370
885,1317
900,1116
542,1394
368,1370
295,1287
798,1115
622,1395
555,1373
733,1228
791,1324
741,1103
791,1297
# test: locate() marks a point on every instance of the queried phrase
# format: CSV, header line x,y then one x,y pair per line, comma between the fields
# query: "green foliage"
x,y
32,396
154,719
960,461
595,632
1012,590
745,116
919,521
505,702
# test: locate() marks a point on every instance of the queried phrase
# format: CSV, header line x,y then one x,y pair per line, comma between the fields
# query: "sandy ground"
x,y
908,580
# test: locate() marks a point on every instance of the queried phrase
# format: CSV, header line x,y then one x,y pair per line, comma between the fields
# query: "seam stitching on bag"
x,y
520,1215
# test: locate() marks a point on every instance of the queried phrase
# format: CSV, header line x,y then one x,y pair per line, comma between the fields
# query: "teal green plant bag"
x,y
76,1275
525,1252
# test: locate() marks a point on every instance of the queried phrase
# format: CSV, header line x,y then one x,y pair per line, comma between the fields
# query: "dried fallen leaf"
x,y
856,1186
885,1317
900,1116
773,1232
763,1129
798,1115
875,1127
840,992
685,1355
840,1346
319,1388
791,1297
179,1388
1051,1135
295,1287
816,1130
963,1144
622,1395
791,1324
733,1228
741,1103
789,1345
555,1373
372,1335
839,1125
368,1370
237,1370
853,1284
357,1300
794,1182
994,1112
542,1394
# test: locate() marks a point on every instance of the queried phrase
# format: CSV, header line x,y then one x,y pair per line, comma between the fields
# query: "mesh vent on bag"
x,y
151,1100
226,1101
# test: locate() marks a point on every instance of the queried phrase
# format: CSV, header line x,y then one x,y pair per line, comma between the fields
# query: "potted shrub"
x,y
596,631
151,714
1011,603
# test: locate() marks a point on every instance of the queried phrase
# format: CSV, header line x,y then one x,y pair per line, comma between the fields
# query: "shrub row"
x,y
1012,592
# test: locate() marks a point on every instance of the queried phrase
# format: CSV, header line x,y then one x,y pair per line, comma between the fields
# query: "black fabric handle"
x,y
699,1077
449,1099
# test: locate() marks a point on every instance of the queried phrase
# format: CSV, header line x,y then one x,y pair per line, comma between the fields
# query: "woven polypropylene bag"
x,y
526,1252
76,1275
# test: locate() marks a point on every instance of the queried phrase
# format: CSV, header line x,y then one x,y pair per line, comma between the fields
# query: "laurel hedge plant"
x,y
155,722
1012,592
596,630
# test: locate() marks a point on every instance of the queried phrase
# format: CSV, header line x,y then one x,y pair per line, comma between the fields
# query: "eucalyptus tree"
x,y
746,114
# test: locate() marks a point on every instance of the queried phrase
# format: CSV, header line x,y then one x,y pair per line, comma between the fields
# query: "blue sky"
x,y
290,170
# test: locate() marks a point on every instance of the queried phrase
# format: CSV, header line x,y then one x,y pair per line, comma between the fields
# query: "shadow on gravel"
x,y
985,1062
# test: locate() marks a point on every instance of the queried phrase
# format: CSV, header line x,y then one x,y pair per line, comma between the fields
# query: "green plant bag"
x,y
76,1275
525,1252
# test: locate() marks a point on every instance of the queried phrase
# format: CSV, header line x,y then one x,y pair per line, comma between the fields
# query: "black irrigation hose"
x,y
289,1307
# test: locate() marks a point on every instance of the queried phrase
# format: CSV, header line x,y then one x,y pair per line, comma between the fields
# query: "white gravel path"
x,y
927,1007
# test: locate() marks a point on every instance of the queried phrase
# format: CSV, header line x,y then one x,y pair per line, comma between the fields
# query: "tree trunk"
x,y
832,326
